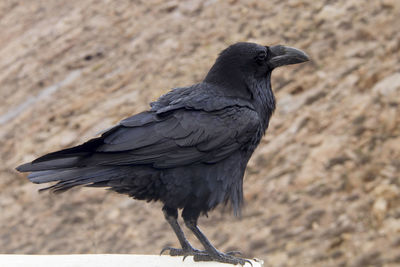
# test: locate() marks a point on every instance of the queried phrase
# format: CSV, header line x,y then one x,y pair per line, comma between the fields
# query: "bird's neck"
x,y
263,99
258,91
228,79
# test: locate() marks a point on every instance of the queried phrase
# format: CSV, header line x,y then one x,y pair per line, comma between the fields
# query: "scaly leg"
x,y
171,215
211,253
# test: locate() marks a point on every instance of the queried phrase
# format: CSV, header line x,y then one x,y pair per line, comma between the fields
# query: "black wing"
x,y
178,138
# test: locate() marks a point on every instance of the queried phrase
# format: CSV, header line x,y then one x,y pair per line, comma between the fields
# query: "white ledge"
x,y
108,260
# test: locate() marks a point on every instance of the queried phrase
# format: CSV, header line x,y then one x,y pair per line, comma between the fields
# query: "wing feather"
x,y
184,137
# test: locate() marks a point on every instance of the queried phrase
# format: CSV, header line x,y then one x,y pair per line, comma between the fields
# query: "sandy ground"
x,y
321,190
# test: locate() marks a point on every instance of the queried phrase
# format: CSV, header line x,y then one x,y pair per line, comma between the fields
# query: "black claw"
x,y
164,249
249,262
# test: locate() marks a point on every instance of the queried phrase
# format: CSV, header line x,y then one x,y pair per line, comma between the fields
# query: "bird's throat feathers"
x,y
263,98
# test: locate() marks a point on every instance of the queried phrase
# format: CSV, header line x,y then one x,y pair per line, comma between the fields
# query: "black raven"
x,y
189,150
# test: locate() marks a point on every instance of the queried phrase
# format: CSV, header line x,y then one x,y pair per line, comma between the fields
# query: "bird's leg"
x,y
171,215
211,253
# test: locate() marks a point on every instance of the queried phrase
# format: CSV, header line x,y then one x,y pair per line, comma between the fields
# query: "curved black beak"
x,y
284,55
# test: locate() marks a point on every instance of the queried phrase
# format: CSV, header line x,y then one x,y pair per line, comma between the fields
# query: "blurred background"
x,y
321,190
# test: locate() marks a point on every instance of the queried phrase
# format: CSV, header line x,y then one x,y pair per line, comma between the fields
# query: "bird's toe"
x,y
172,251
182,252
222,257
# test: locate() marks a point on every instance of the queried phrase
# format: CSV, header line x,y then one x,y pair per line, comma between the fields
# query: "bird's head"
x,y
241,61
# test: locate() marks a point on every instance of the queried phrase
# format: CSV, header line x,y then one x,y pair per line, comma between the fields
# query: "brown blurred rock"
x,y
380,208
323,187
388,85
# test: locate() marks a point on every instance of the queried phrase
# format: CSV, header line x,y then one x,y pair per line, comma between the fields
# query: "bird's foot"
x,y
228,257
189,251
201,255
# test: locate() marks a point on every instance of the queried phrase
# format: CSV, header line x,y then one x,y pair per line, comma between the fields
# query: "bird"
x,y
189,150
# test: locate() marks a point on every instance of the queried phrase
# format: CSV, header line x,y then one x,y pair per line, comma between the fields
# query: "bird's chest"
x,y
253,142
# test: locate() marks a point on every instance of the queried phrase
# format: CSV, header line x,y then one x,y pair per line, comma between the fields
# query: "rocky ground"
x,y
322,189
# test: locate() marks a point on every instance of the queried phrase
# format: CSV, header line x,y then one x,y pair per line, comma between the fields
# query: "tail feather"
x,y
51,164
75,167
76,151
85,176
66,158
40,177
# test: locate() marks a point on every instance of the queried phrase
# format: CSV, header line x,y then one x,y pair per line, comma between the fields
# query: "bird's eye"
x,y
261,56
